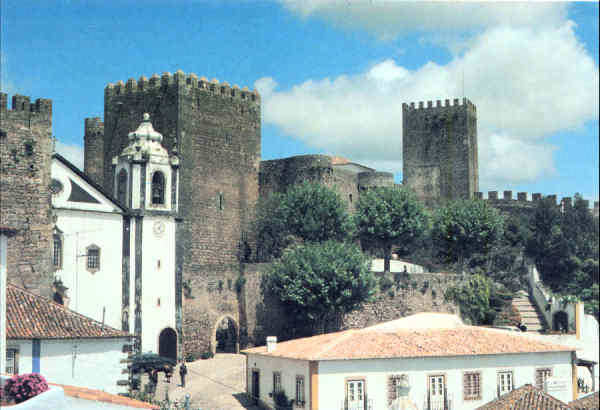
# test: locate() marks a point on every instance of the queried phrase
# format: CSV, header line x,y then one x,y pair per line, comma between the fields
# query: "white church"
x,y
114,255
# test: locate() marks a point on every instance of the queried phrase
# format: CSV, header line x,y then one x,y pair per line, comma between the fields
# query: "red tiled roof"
x,y
525,398
589,402
98,395
30,316
388,342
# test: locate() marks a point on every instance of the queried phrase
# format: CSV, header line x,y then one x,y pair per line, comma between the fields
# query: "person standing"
x,y
182,373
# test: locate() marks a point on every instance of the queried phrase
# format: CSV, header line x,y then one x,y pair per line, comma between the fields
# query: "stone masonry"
x,y
439,150
25,155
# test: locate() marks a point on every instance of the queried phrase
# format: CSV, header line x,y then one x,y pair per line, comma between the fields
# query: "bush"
x,y
207,355
190,357
385,283
281,400
25,386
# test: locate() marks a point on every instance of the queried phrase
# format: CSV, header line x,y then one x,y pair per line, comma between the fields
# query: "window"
x,y
396,384
93,258
221,202
472,386
158,188
505,382
56,251
300,391
350,198
541,375
122,187
12,361
276,382
355,394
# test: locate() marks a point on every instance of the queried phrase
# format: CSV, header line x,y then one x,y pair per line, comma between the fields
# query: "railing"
x,y
438,403
367,405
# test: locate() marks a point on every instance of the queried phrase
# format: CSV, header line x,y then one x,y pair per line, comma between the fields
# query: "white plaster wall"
x,y
135,186
396,266
25,354
90,292
332,376
289,369
91,363
157,282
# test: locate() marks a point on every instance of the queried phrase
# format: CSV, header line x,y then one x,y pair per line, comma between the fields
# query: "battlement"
x,y
180,79
93,123
522,199
421,105
21,105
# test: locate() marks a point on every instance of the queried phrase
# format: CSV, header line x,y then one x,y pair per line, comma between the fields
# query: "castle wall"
x,y
25,158
439,150
216,129
93,159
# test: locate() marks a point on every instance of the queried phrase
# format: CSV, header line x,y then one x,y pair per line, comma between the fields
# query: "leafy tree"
x,y
473,298
307,212
317,282
465,228
391,216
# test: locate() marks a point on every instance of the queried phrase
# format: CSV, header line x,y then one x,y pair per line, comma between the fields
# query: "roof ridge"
x,y
337,340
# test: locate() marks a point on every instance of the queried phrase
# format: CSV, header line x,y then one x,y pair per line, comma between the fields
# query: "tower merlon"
x,y
22,104
456,102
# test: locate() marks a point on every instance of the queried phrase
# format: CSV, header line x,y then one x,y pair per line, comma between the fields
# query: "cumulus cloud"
x,y
527,83
72,152
390,18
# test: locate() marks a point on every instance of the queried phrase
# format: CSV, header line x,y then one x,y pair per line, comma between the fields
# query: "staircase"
x,y
530,316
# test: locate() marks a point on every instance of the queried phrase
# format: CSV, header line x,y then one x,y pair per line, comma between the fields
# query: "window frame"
x,y
277,385
15,360
95,267
362,379
162,185
300,400
392,384
547,370
469,392
499,374
57,263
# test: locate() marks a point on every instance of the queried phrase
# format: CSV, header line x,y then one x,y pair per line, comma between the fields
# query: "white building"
x,y
115,260
424,361
64,346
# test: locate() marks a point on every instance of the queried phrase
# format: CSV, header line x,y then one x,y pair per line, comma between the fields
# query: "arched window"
x,y
158,188
57,251
122,187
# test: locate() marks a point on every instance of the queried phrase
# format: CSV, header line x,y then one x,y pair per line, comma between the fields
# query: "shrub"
x,y
207,355
25,386
385,283
281,400
239,284
190,357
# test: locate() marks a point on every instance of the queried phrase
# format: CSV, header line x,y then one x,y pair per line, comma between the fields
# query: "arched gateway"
x,y
226,336
167,343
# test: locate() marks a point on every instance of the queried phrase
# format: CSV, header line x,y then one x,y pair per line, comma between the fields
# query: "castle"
x,y
215,131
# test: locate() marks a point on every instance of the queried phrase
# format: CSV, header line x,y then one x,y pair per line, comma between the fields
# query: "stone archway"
x,y
560,321
226,335
167,343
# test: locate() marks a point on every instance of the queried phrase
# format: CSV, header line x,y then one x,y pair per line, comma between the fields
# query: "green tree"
x,y
391,217
465,228
473,298
306,212
318,282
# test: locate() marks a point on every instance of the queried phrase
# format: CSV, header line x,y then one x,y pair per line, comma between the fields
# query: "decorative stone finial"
x,y
146,116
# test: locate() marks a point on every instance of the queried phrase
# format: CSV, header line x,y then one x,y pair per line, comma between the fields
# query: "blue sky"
x,y
333,74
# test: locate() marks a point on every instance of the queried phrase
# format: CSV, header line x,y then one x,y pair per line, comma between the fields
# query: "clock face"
x,y
159,228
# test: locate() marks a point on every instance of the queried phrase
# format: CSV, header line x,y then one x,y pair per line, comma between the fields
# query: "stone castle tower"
x,y
216,130
25,156
439,150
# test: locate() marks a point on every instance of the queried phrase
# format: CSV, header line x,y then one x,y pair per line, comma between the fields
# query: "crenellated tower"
x,y
25,156
215,129
439,150
93,160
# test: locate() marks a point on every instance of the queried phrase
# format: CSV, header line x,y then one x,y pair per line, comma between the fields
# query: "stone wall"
x,y
25,157
408,294
439,150
93,160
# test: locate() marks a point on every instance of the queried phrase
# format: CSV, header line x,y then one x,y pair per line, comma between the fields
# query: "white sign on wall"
x,y
554,384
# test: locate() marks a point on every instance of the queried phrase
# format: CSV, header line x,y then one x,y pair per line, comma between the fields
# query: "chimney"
x,y
271,343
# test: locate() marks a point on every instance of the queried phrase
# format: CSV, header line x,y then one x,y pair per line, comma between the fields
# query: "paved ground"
x,y
214,384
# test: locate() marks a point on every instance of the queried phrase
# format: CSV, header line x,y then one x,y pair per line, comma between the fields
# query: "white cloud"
x,y
527,83
72,152
390,18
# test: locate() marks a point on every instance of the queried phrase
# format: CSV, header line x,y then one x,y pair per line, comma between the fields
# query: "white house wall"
x,y
333,375
90,292
91,363
288,368
158,279
25,349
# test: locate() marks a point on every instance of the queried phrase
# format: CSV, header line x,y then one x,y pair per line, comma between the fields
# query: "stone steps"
x,y
530,316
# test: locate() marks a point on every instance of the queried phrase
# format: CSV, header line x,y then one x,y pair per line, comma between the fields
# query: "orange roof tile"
x,y
525,398
31,316
98,395
389,342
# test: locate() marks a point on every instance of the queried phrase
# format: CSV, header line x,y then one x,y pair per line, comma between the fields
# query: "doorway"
x,y
167,343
